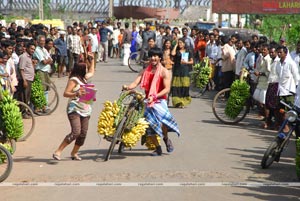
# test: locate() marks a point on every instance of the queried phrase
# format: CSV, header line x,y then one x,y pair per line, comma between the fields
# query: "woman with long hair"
x,y
183,61
78,112
167,58
167,61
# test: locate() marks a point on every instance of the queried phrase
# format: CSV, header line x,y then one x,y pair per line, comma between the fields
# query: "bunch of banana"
x,y
149,144
11,121
37,97
8,147
203,71
106,121
134,135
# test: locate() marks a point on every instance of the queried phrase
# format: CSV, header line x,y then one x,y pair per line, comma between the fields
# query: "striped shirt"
x,y
74,44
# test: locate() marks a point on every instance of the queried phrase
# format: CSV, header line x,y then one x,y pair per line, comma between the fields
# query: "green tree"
x,y
47,9
277,26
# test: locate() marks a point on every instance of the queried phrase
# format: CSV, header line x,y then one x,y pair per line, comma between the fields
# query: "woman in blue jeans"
x,y
78,112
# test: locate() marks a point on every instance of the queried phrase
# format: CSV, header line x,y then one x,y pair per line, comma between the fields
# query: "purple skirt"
x,y
272,98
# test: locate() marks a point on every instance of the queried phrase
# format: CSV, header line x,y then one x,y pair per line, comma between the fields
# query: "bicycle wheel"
x,y
271,154
6,163
219,105
116,137
134,62
53,84
28,120
53,100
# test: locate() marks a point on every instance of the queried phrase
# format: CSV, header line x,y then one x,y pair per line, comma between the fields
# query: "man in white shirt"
x,y
296,55
240,57
159,37
94,43
288,78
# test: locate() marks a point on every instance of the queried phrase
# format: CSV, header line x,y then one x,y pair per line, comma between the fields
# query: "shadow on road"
x,y
272,193
284,171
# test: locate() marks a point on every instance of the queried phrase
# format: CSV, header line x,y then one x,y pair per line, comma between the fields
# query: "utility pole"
x,y
41,9
111,8
168,9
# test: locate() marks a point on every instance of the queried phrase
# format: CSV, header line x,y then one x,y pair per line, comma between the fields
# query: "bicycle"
x,y
53,100
6,163
220,102
282,139
135,63
133,103
28,120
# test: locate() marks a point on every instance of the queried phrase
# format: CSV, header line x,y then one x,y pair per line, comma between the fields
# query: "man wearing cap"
x,y
61,46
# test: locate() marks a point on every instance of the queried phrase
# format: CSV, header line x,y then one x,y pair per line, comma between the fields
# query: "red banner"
x,y
256,6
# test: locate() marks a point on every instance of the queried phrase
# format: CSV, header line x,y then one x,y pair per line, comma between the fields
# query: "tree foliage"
x,y
47,9
277,26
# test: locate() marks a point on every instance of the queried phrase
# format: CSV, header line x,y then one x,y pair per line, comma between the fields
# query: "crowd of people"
x,y
26,51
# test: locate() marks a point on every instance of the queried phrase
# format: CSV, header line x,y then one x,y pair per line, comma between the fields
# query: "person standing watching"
x,y
189,42
146,35
296,55
288,78
159,37
43,66
127,37
104,31
26,68
228,63
61,46
94,43
75,48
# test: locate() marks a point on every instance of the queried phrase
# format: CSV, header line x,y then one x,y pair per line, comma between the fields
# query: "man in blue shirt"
x,y
104,31
61,46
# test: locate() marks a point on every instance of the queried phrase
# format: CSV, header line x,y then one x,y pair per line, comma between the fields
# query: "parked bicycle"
x,y
220,102
53,100
6,163
135,63
281,141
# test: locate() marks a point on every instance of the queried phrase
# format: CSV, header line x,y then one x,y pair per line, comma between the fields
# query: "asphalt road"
x,y
207,154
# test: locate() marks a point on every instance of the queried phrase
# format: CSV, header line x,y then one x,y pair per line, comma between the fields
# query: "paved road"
x,y
207,151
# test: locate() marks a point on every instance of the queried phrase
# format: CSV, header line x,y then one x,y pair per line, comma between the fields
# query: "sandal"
x,y
76,158
169,145
56,157
157,151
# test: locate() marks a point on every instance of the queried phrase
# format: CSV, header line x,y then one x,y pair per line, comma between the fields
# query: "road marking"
x,y
152,184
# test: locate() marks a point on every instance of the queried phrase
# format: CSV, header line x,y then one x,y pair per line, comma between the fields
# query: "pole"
x,y
111,8
168,7
41,9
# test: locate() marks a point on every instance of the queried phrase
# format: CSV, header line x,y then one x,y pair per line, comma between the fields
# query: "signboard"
x,y
256,6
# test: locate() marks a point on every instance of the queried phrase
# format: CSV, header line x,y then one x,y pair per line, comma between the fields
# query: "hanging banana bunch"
x,y
11,121
106,121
